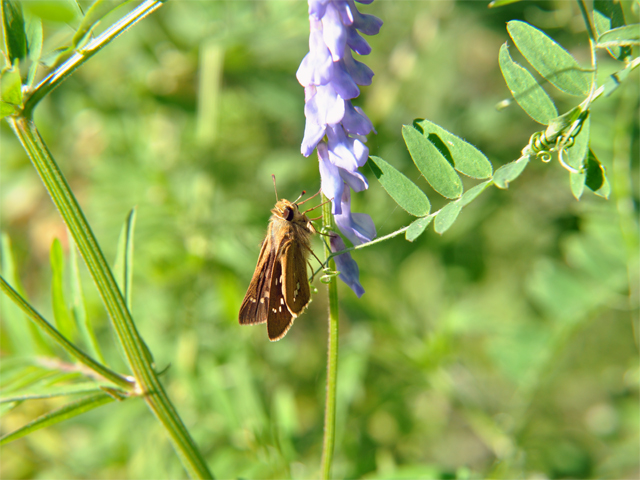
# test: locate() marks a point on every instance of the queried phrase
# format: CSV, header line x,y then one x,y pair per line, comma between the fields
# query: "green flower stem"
x,y
126,383
56,77
332,355
133,345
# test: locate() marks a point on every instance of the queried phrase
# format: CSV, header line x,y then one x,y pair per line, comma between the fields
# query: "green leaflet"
x,y
526,90
466,158
509,172
552,61
406,194
432,164
417,227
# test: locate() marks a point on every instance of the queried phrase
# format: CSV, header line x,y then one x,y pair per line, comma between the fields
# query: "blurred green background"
x,y
506,348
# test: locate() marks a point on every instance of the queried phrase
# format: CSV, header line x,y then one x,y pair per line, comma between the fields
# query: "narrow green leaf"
x,y
78,307
68,411
578,151
11,86
15,40
471,194
509,172
406,194
63,11
48,391
98,10
550,60
595,173
432,164
466,158
446,217
123,269
620,37
605,190
34,46
7,109
502,3
417,227
577,183
60,311
525,89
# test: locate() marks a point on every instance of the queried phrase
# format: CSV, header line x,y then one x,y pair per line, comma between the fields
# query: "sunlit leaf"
x,y
123,269
509,172
621,36
34,45
432,164
11,86
502,3
98,10
63,11
446,217
471,194
577,183
466,158
417,227
15,40
609,15
406,194
576,154
525,89
550,60
60,310
68,411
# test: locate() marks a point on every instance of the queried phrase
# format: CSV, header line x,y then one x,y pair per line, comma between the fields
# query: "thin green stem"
x,y
332,356
133,345
124,382
56,77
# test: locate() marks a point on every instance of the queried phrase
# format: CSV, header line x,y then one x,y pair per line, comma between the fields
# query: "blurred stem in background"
x,y
332,353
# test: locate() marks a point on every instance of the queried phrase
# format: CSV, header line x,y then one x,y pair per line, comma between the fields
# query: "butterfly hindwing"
x,y
296,285
279,318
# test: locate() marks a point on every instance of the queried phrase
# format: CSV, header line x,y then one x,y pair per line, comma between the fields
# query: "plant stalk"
x,y
332,355
135,350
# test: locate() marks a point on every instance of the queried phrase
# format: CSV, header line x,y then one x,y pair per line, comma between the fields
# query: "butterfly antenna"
x,y
317,206
296,200
312,196
274,186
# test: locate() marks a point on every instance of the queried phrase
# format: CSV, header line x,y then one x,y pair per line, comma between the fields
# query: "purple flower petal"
x,y
355,122
367,24
357,43
334,32
357,227
313,133
346,265
356,181
361,74
332,184
317,8
316,67
343,83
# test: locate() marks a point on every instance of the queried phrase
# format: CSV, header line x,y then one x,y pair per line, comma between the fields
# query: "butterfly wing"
x,y
254,308
279,318
296,284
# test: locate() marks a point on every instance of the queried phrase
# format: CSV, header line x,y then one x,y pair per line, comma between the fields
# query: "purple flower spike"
x,y
347,266
331,77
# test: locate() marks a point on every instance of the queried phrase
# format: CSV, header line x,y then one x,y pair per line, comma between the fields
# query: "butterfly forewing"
x,y
296,285
256,301
279,318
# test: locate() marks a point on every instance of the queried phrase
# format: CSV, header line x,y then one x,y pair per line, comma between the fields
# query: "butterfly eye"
x,y
288,213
